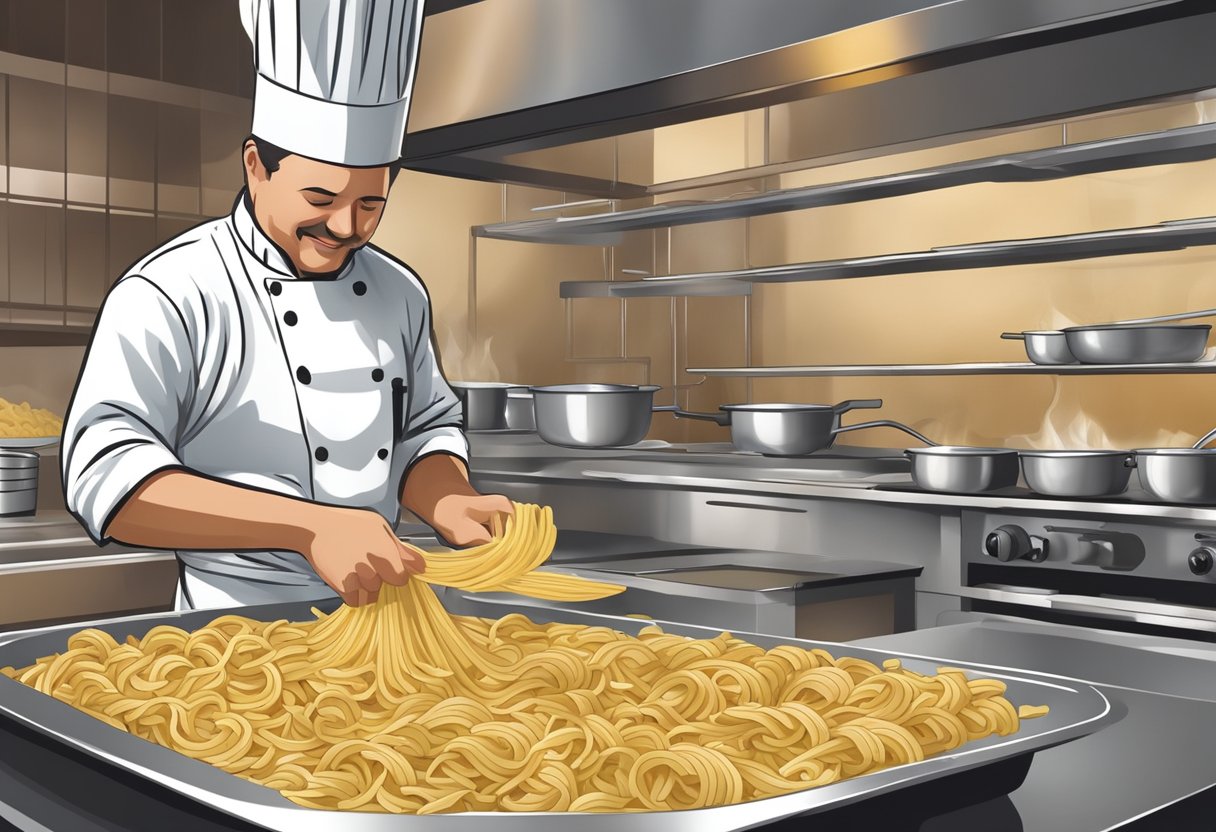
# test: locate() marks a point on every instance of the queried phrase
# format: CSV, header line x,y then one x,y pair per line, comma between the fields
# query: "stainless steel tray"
x,y
1077,709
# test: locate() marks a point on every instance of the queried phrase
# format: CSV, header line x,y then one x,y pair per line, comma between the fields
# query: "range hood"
x,y
503,85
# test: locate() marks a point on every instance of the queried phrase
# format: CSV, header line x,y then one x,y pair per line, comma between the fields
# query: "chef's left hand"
x,y
466,519
437,489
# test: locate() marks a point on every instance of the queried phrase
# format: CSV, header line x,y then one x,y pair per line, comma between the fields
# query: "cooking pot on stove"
x,y
782,428
611,415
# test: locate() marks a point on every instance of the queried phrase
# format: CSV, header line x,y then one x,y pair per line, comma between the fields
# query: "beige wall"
x,y
525,333
504,320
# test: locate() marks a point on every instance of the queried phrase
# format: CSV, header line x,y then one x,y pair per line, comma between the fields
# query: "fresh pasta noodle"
x,y
402,707
19,421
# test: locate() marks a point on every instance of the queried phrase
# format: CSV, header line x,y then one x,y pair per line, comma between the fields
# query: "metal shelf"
x,y
43,335
1184,144
637,288
1173,235
971,369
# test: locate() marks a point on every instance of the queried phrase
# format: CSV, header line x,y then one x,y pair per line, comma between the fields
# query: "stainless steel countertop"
x,y
843,473
1158,754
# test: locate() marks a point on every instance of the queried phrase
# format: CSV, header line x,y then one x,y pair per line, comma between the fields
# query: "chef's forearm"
x,y
180,510
432,478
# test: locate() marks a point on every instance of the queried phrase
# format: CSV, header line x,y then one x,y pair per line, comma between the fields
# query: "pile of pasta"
x,y
402,707
19,421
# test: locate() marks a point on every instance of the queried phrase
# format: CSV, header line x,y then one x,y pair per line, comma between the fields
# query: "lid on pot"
x,y
595,388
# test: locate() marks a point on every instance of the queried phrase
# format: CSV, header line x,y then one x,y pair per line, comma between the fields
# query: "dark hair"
x,y
271,155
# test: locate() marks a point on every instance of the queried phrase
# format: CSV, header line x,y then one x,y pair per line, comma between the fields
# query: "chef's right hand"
x,y
355,551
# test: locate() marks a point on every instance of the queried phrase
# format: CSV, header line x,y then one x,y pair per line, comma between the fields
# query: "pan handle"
x,y
856,404
722,419
886,423
1205,439
1013,336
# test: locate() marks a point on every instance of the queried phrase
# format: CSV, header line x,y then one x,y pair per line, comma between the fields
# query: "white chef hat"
x,y
334,76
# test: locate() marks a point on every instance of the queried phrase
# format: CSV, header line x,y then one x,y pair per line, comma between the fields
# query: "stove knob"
x,y
1006,543
1200,561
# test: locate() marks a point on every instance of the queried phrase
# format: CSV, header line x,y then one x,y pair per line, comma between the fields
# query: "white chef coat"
x,y
211,355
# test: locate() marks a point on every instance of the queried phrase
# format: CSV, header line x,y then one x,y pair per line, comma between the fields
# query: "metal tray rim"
x,y
266,807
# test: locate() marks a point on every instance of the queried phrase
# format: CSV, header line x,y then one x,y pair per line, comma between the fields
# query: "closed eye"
x,y
318,197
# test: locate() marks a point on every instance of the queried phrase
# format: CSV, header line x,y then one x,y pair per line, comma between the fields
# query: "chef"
x,y
261,394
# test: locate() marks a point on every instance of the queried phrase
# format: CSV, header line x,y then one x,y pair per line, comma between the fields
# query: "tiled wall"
x,y
533,336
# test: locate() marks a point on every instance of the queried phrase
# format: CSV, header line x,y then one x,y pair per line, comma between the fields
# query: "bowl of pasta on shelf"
x,y
25,426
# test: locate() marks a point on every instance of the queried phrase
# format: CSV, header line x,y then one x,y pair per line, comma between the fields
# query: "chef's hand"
x,y
438,491
467,519
355,551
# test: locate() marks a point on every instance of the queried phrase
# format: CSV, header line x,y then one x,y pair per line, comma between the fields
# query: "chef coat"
x,y
210,354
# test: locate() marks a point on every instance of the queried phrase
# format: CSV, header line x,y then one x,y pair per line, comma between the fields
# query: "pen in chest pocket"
x,y
398,409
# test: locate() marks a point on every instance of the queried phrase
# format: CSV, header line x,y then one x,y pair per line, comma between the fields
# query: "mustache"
x,y
322,231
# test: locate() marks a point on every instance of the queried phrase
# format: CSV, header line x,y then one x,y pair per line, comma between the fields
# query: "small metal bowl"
x,y
1084,473
963,469
1178,475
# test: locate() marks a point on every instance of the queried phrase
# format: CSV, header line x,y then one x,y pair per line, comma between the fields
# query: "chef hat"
x,y
334,76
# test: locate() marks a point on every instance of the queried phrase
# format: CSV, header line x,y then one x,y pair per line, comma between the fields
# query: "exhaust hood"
x,y
505,88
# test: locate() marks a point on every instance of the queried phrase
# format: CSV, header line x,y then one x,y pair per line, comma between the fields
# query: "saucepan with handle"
x,y
775,429
613,415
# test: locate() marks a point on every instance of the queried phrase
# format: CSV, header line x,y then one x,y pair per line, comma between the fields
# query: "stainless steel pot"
x,y
521,414
1044,346
963,469
781,429
18,483
1095,473
593,415
485,404
1180,475
1142,344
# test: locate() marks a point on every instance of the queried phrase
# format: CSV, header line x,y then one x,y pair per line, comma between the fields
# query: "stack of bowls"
x,y
18,482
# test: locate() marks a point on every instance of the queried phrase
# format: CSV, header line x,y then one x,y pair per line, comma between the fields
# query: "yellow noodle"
x,y
402,707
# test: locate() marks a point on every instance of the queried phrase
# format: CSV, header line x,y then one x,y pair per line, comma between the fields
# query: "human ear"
x,y
255,171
